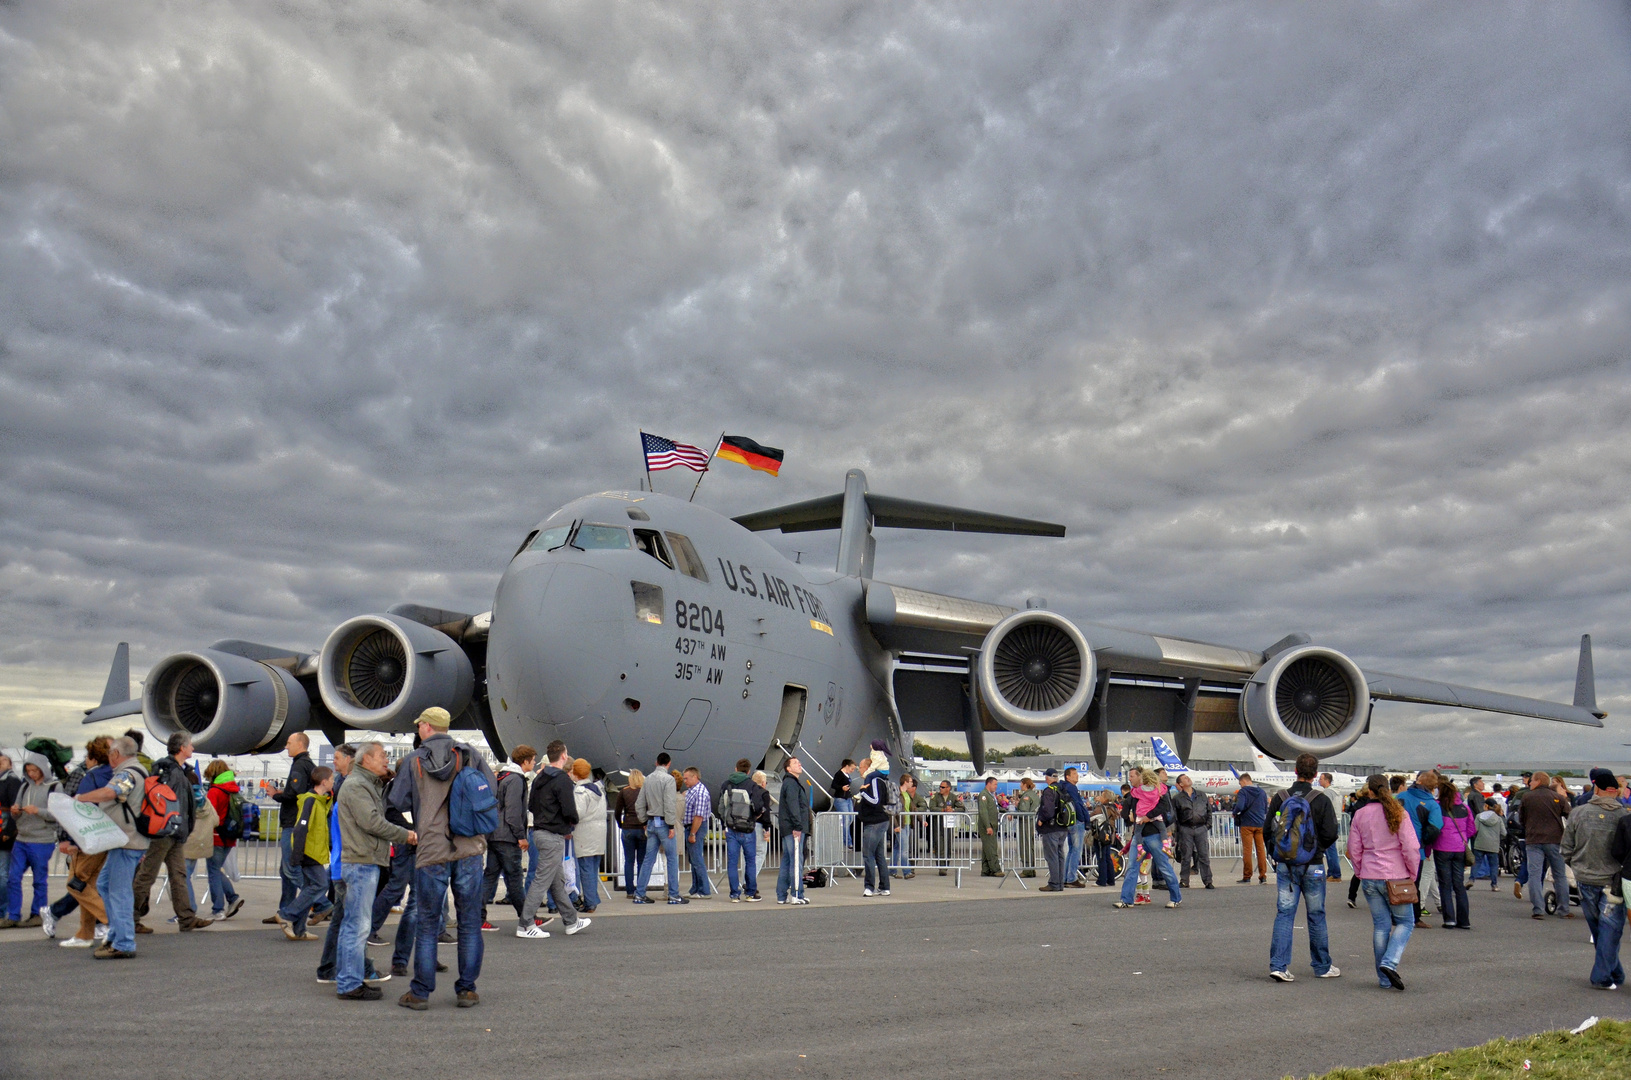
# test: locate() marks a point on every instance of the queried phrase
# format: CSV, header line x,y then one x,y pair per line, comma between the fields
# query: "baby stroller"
x,y
1574,892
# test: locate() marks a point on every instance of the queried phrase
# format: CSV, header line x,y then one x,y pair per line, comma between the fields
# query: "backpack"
x,y
232,822
472,804
738,810
1064,810
54,752
1429,832
160,816
1295,841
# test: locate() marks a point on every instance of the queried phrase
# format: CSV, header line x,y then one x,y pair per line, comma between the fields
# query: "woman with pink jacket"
x,y
1450,858
1380,852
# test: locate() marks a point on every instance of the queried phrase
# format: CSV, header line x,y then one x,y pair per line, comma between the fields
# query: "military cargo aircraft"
x,y
628,623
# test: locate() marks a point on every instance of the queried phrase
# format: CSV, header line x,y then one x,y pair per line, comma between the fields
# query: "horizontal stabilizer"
x,y
116,699
1430,692
892,513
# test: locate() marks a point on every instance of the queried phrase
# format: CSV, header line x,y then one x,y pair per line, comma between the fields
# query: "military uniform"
x,y
940,836
1028,803
988,819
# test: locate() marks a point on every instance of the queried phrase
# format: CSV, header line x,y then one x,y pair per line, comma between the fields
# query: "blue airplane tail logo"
x,y
1164,754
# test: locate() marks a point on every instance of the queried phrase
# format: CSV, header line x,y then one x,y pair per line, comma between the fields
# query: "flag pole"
x,y
717,444
646,460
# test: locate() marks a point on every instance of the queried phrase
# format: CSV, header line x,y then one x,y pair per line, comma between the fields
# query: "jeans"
x,y
589,879
657,836
5,873
1159,864
28,857
1607,923
790,877
551,879
288,867
1452,887
1307,883
900,850
328,963
1543,857
697,855
740,847
1106,863
115,883
192,897
1073,854
1333,864
222,894
875,854
1486,865
313,888
503,860
397,884
1391,926
360,881
846,806
634,855
432,882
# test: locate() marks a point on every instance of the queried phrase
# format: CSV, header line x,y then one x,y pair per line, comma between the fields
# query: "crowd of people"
x,y
436,835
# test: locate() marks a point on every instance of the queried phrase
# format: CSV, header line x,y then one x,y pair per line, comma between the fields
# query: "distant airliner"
x,y
1264,773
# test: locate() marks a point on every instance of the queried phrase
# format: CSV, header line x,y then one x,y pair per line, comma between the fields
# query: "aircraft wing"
x,y
1385,687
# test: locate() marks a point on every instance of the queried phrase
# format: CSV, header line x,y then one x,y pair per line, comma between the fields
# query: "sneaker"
x,y
1244,881
485,925
447,938
397,909
371,975
234,907
1392,977
1282,976
736,899
754,898
101,933
1175,903
468,999
534,932
107,952
543,921
76,943
678,900
799,900
362,993
1332,972
1120,904
325,982
866,892
644,900
1606,986
399,970
48,923
781,901
1209,885
374,940
1352,904
408,1001
581,924
884,892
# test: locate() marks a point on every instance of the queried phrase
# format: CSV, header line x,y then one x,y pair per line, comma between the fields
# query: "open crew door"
x,y
788,726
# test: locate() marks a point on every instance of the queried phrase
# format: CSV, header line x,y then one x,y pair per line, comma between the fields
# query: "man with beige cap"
x,y
422,789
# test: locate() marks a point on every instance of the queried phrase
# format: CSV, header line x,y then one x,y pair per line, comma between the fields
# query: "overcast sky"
x,y
1300,318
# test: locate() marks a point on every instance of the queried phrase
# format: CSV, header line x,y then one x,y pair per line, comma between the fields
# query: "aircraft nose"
x,y
558,646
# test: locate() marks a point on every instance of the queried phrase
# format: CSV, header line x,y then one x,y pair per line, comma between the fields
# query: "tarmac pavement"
x,y
950,983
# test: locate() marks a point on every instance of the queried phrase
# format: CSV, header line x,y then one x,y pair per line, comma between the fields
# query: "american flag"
x,y
664,453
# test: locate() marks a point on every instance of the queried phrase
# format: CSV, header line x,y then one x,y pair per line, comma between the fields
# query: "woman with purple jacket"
x,y
1450,856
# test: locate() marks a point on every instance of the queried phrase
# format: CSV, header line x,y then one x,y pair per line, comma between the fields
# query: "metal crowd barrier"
x,y
926,841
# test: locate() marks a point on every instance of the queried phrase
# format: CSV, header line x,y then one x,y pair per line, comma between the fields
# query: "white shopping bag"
x,y
229,865
92,830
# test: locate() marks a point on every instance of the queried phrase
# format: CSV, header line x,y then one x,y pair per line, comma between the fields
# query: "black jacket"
x,y
758,800
1620,846
872,801
1326,829
1194,810
843,785
511,789
552,805
299,783
169,770
1048,811
793,809
9,787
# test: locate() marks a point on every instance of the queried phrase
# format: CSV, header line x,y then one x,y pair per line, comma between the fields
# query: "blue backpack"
x,y
472,804
1295,841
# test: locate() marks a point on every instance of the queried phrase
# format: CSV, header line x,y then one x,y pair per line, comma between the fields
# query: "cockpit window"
x,y
685,554
593,537
649,542
648,602
551,538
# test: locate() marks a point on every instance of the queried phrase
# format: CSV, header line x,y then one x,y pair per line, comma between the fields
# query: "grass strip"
x,y
1601,1052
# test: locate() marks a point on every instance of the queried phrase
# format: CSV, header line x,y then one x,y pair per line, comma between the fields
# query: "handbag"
x,y
1402,891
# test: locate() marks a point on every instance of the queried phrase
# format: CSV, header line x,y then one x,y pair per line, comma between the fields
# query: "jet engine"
x,y
382,671
230,704
1307,700
1035,673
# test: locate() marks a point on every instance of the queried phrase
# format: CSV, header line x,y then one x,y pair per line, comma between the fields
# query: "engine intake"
x,y
382,671
229,704
1035,673
1307,700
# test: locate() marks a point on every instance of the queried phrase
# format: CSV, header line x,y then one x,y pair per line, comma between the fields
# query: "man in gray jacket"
x,y
1588,833
365,846
506,843
659,804
422,790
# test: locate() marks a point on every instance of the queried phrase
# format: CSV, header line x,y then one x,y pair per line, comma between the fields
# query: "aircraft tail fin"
x,y
116,699
1585,681
1165,755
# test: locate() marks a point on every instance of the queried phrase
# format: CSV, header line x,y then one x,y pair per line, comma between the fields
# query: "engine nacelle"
x,y
1035,674
382,671
1307,700
230,704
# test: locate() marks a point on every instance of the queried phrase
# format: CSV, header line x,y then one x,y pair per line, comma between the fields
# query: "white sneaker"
x,y
798,900
885,892
75,943
101,933
534,932
1333,973
1282,976
48,922
581,924
866,892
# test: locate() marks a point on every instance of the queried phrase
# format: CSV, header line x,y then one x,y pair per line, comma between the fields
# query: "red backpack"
x,y
160,816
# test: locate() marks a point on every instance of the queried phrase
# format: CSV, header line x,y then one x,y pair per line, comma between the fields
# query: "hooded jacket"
x,y
1420,804
1459,828
758,800
554,808
40,828
1491,830
1324,812
872,800
220,795
420,790
589,838
511,791
1251,807
1588,840
365,835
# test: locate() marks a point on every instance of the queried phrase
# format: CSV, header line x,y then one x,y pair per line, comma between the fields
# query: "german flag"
x,y
745,451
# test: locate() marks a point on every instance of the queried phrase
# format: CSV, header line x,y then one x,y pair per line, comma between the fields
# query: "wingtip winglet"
x,y
1585,681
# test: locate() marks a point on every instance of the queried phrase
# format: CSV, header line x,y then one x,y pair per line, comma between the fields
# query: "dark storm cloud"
x,y
1301,319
